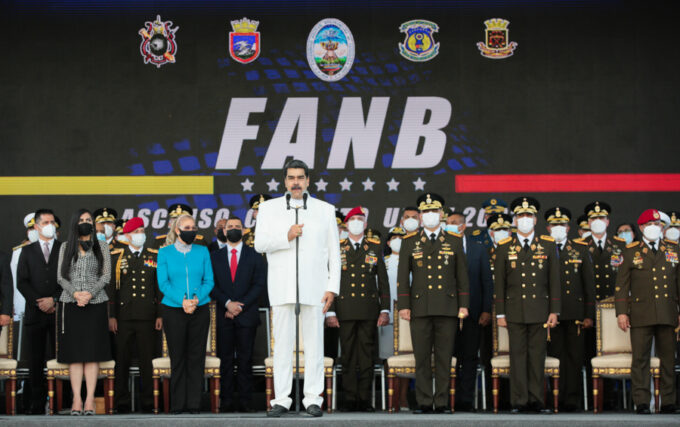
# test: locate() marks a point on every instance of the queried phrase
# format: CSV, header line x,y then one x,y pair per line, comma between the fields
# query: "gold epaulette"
x,y
343,241
477,232
547,238
411,234
246,231
118,263
122,243
153,251
580,242
670,242
632,244
199,237
116,251
161,237
373,240
504,241
21,246
619,239
454,234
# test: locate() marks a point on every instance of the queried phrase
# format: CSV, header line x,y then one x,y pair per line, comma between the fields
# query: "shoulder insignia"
x,y
343,241
373,240
617,238
117,251
122,243
547,238
580,242
632,244
153,251
454,234
477,232
20,246
161,237
199,237
670,242
411,234
504,241
247,230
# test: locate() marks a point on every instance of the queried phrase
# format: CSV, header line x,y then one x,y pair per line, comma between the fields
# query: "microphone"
x,y
304,200
288,200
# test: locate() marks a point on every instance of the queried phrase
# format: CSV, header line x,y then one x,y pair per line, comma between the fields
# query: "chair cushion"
x,y
408,361
619,361
164,362
53,364
327,361
503,362
8,363
4,341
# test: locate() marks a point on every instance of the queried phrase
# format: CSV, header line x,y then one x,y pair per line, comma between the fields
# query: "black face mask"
x,y
86,244
220,235
187,237
84,229
234,235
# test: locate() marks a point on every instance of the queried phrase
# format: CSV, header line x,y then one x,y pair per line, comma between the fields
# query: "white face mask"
x,y
525,224
500,235
395,244
33,235
343,234
138,239
355,226
48,231
558,232
411,224
673,233
652,232
598,226
586,234
122,238
431,219
108,231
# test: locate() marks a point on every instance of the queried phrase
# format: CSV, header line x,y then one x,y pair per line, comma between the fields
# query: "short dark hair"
x,y
296,164
410,208
458,213
232,216
41,212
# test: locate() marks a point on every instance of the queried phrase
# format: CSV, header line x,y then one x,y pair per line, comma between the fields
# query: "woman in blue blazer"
x,y
185,278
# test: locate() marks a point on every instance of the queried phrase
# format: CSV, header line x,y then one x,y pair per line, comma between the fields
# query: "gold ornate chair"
x,y
500,364
328,369
161,369
8,367
403,363
615,354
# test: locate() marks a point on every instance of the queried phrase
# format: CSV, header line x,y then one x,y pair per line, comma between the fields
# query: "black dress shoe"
x,y
643,409
244,408
177,411
669,409
314,410
516,411
349,406
194,411
123,409
227,407
442,410
276,411
422,409
465,407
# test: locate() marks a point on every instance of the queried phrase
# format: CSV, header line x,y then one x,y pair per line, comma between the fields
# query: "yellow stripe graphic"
x,y
103,185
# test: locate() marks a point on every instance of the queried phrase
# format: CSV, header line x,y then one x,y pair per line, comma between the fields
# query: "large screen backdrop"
x,y
589,88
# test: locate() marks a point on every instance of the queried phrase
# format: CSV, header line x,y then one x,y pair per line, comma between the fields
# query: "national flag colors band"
x,y
104,185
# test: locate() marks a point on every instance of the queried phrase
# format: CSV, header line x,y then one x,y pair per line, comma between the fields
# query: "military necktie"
x,y
599,245
356,246
526,244
433,237
559,247
653,245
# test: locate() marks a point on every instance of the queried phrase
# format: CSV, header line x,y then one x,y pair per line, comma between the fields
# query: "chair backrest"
x,y
402,334
6,341
271,335
211,343
610,338
501,340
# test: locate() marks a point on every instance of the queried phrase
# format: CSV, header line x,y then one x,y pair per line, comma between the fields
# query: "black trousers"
x,y
40,337
139,334
466,351
357,343
567,345
187,335
528,346
235,347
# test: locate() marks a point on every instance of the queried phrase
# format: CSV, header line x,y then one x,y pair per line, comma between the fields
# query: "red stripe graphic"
x,y
569,183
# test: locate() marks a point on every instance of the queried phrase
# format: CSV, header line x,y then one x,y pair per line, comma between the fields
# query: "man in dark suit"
x,y
481,291
239,280
37,282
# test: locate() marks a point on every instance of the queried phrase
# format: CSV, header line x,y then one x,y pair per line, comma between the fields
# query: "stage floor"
x,y
351,420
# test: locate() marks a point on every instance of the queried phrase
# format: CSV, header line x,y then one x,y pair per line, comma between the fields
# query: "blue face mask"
x,y
452,228
101,236
627,236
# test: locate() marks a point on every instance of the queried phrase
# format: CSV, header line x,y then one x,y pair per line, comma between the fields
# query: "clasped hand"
x,y
189,305
82,298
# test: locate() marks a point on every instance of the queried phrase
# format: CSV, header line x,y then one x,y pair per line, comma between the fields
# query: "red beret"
x,y
132,224
649,215
355,211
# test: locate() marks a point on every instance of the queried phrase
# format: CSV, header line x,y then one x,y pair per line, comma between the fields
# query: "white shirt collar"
x,y
50,243
221,244
428,233
603,239
522,238
136,251
237,247
649,243
354,242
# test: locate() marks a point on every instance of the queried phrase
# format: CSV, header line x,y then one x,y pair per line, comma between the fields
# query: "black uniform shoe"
x,y
422,409
244,408
465,407
365,407
349,406
643,409
227,407
669,409
442,410
314,410
123,409
276,411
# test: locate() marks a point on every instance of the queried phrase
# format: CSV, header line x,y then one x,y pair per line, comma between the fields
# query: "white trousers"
x,y
311,321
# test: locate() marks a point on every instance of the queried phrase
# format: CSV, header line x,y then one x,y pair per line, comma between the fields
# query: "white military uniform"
x,y
319,271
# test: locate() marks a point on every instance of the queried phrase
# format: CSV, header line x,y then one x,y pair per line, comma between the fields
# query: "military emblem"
x,y
244,41
496,44
419,44
158,45
330,50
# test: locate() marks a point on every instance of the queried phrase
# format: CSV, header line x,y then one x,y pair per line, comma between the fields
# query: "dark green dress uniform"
x,y
249,237
647,289
134,303
438,288
364,293
578,303
527,290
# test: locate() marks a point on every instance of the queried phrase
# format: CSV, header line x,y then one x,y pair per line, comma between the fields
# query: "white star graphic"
x,y
392,185
368,184
273,185
345,185
247,185
419,184
321,185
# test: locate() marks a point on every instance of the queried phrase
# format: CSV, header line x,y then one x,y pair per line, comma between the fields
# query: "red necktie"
x,y
232,265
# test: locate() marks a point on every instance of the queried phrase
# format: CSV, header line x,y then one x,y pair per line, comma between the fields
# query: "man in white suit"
x,y
319,281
